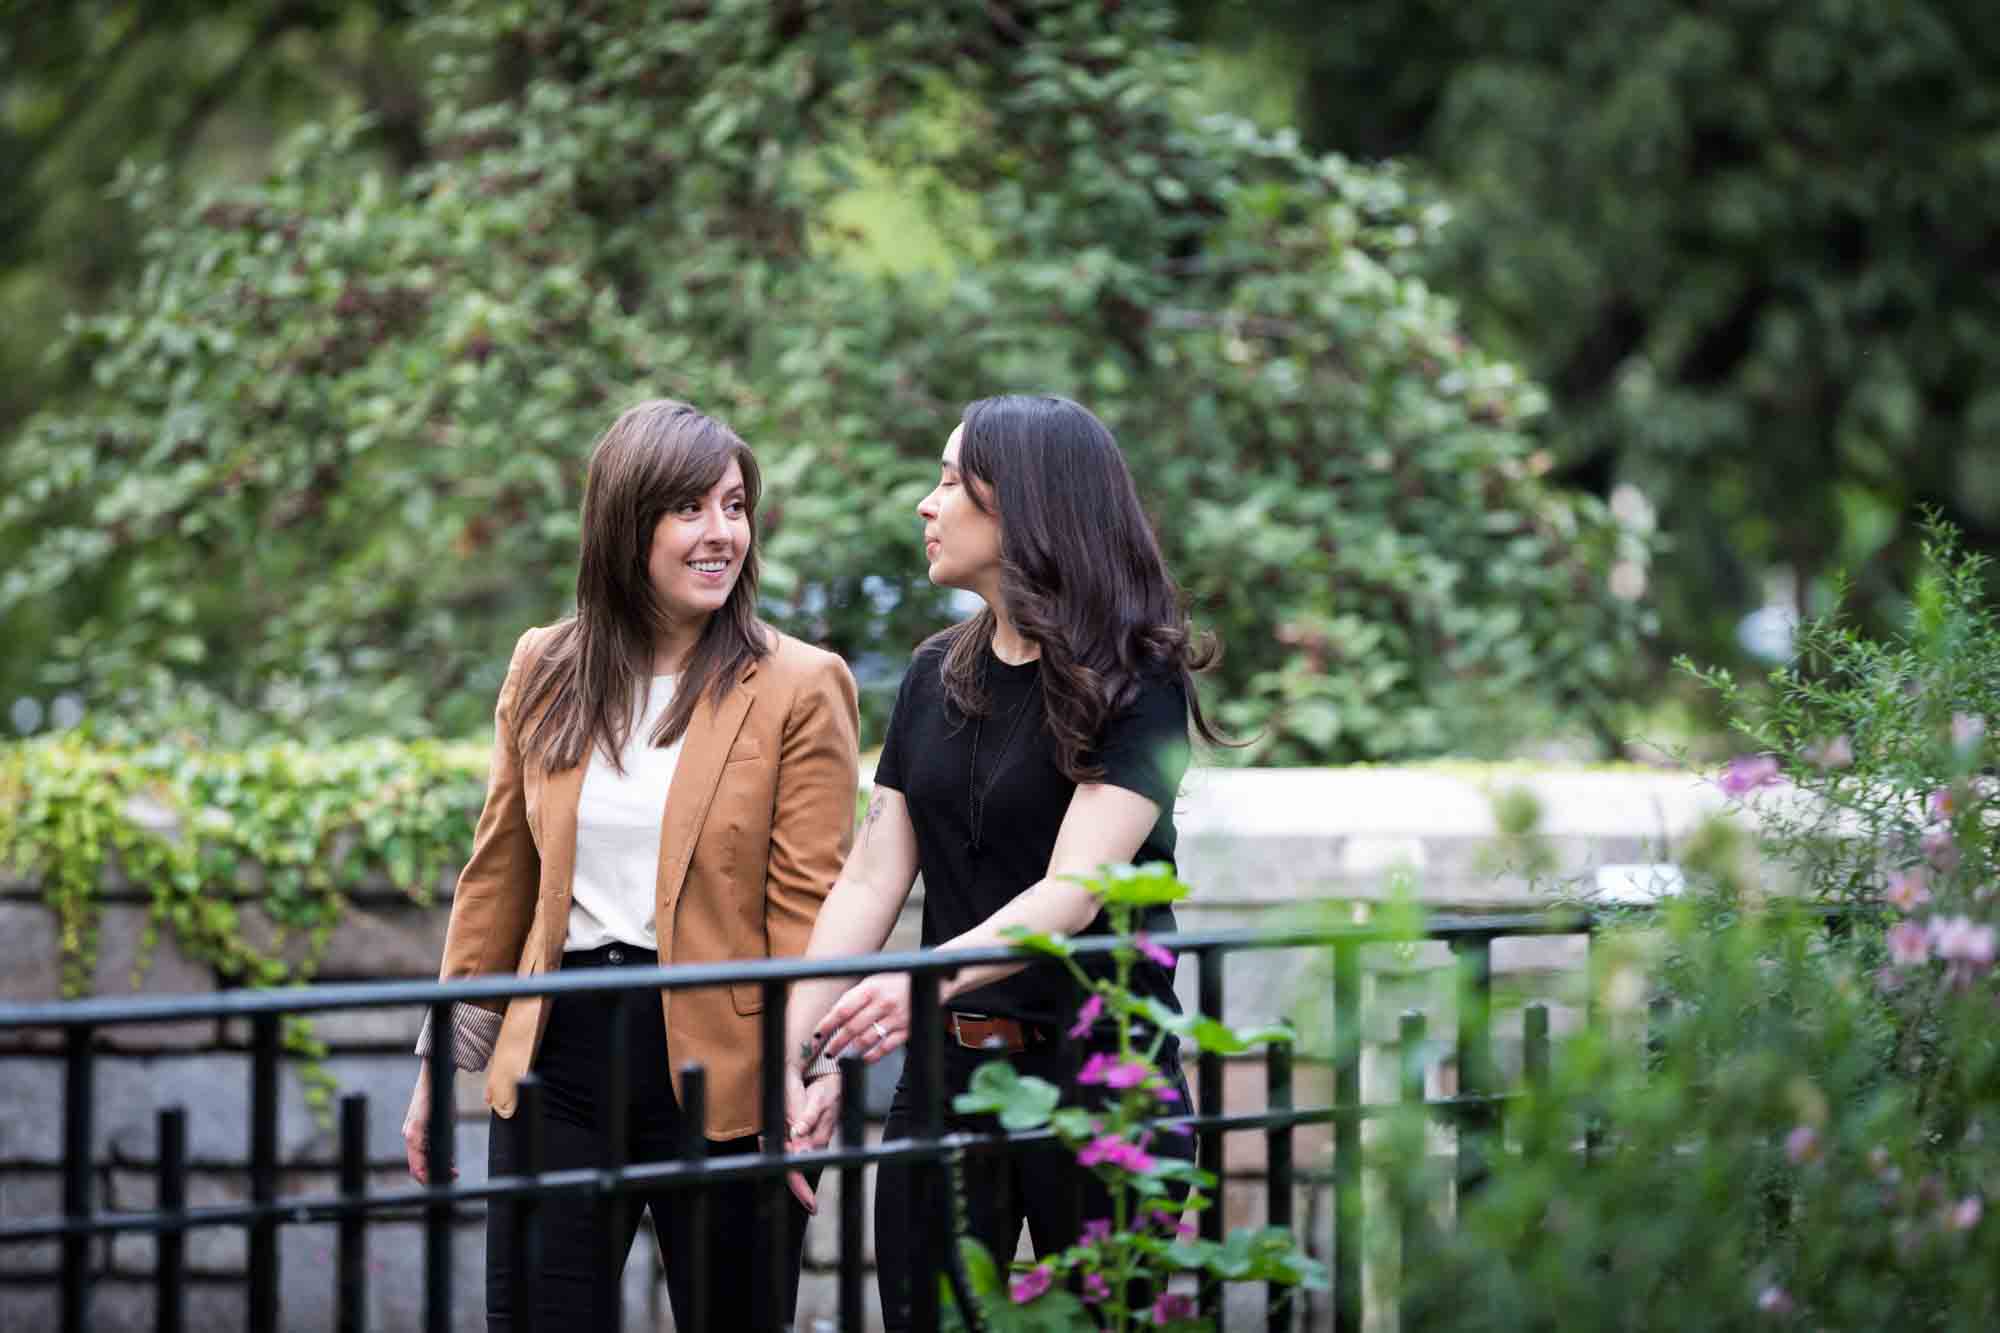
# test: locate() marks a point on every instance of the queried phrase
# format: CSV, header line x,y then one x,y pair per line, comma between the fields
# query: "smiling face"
x,y
961,539
697,549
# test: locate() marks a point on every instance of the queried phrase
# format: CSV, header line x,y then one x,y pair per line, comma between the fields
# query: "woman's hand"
x,y
871,1020
416,1128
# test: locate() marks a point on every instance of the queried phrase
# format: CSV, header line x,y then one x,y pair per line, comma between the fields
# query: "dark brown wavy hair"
x,y
656,456
1081,572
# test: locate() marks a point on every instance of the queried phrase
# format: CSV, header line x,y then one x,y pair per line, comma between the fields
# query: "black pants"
x,y
1041,1187
570,1287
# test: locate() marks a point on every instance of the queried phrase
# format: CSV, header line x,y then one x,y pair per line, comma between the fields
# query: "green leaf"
x,y
997,1089
1032,941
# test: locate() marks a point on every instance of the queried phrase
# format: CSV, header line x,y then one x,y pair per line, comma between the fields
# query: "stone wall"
x,y
1259,845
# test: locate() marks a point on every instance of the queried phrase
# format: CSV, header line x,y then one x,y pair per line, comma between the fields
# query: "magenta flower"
x,y
1965,1216
1941,804
1158,953
1909,944
1775,1300
1086,1016
1747,772
1801,1145
1112,1072
1832,754
1095,1288
1172,1305
1906,891
1110,1150
1167,1093
1172,1222
1027,1286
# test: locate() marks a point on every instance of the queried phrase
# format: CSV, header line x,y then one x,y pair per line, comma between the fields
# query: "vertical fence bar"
x,y
525,1218
1535,1069
1475,1057
613,1243
1593,1124
264,1172
79,1113
929,1225
1410,1067
170,1247
1208,1071
351,1253
853,1135
440,1144
697,1200
1347,1221
1278,1306
772,1209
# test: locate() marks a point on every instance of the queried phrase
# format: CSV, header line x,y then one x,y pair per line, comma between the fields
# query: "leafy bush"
x,y
333,460
1809,1137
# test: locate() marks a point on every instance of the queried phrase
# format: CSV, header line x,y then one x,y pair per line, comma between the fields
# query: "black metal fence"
x,y
1476,1107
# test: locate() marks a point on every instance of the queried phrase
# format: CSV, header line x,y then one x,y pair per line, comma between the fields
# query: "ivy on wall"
x,y
206,835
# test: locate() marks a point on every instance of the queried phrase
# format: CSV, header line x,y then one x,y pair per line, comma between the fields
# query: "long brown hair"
x,y
1081,572
585,682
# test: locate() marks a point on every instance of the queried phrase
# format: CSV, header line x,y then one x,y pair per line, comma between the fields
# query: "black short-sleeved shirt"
x,y
929,757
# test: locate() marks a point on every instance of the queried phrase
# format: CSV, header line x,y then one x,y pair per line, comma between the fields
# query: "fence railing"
x,y
1476,1108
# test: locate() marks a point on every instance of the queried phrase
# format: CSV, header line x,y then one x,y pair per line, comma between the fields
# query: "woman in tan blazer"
x,y
672,781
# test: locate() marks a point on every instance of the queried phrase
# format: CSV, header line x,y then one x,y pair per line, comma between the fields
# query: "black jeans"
x,y
569,1288
1041,1187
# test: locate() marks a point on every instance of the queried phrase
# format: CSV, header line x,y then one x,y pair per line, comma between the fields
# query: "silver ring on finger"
x,y
881,1033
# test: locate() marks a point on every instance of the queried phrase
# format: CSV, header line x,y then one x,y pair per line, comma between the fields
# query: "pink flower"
x,y
1747,772
1802,1145
1965,944
1941,850
1967,730
1775,1300
1111,1150
1112,1072
1158,953
1965,1216
1172,1222
1909,944
1087,1015
1942,804
1096,1231
1173,1305
1167,1094
1836,753
1095,1288
1906,891
1027,1286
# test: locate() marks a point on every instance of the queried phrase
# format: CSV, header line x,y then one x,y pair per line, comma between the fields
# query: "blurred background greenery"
x,y
1475,358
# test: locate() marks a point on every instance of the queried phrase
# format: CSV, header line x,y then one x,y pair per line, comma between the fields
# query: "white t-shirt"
x,y
618,825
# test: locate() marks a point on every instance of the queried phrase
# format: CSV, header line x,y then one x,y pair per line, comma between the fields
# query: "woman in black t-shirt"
x,y
1045,737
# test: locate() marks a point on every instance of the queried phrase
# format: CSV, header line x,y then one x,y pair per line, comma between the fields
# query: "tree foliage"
x,y
332,459
1745,244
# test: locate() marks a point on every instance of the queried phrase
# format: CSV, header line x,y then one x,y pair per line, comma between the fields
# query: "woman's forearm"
x,y
1048,907
853,920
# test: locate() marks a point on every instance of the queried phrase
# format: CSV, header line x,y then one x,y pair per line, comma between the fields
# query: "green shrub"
x,y
333,459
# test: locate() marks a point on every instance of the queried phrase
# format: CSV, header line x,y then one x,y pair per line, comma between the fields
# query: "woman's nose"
x,y
927,507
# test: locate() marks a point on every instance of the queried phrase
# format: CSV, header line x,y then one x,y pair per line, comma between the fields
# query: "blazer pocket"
x,y
744,751
748,997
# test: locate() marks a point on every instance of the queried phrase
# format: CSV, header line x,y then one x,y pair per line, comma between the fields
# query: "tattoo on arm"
x,y
806,1051
868,821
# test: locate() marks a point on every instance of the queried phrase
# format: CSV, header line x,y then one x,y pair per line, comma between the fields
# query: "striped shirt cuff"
x,y
473,1033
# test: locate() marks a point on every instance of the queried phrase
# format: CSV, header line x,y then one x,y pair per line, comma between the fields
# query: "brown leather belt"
x,y
983,1033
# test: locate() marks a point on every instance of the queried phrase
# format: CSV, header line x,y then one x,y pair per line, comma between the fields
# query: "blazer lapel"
x,y
561,790
704,750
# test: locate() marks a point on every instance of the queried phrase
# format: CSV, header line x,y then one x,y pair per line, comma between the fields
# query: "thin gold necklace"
x,y
975,799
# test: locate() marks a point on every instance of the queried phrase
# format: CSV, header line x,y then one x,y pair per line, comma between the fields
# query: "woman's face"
x,y
698,549
961,541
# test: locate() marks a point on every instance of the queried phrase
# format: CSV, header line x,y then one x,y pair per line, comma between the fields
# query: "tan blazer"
x,y
757,821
